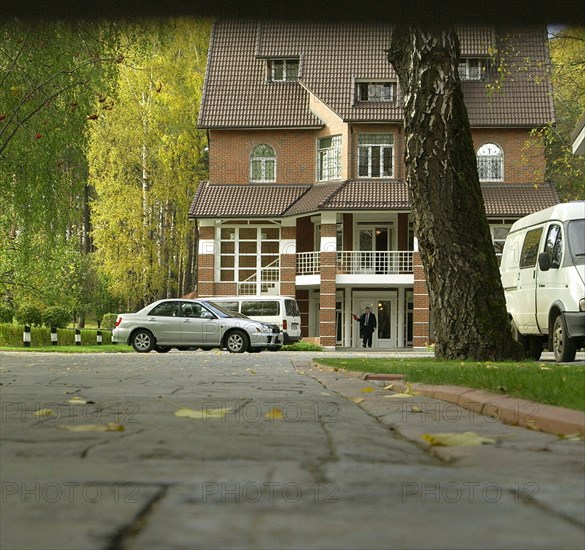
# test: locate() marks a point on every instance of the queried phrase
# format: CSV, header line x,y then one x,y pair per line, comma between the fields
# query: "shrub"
x,y
29,314
109,320
56,316
6,314
303,346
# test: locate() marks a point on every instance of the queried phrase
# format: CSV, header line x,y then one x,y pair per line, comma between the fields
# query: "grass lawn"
x,y
106,348
551,384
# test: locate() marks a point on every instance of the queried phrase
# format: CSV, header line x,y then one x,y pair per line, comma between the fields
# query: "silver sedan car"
x,y
186,324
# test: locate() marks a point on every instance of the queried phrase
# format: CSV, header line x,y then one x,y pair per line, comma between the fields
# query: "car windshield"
x,y
222,312
577,241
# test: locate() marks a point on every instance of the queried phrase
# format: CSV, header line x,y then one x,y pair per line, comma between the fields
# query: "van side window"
x,y
554,245
260,308
530,248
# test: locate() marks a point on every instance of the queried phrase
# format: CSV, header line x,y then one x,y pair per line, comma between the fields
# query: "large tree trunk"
x,y
467,299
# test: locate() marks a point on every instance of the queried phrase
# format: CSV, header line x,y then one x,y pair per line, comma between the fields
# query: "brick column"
x,y
206,258
328,255
288,257
421,305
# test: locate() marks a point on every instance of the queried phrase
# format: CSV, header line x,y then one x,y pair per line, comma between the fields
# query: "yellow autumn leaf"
x,y
399,395
572,437
389,387
109,427
77,401
274,414
367,390
204,413
357,399
44,412
415,409
464,439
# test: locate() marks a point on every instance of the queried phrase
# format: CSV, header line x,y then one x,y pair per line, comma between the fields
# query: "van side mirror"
x,y
544,261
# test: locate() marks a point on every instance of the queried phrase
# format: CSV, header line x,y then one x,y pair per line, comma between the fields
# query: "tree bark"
x,y
466,295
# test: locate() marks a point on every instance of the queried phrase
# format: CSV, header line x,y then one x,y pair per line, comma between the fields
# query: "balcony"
x,y
358,263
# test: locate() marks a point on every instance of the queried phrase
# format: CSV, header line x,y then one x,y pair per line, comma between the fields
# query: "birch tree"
x,y
145,163
466,295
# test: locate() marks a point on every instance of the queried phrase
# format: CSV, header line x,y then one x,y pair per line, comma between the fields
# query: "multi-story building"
x,y
306,194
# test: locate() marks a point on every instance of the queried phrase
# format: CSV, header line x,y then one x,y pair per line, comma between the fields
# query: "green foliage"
x,y
29,313
543,383
109,320
146,158
11,336
302,346
6,314
568,76
56,316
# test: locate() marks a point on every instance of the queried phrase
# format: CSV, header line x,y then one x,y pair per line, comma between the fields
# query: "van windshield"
x,y
576,235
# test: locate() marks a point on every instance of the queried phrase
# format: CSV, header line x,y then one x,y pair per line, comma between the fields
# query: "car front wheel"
x,y
142,341
563,347
237,342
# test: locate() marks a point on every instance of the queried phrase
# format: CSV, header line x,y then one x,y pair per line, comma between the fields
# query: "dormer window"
x,y
283,70
376,92
473,68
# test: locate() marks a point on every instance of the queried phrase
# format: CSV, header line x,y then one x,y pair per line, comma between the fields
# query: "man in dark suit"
x,y
367,326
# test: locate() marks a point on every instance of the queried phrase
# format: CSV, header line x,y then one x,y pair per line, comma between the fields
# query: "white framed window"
x,y
329,158
472,68
249,256
490,162
262,163
282,70
376,91
375,155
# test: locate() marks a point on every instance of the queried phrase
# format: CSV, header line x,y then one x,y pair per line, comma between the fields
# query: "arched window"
x,y
262,164
490,162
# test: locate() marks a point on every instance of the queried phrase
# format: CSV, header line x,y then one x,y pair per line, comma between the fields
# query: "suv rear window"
x,y
260,308
292,308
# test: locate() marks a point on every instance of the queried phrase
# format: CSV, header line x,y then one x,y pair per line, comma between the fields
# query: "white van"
x,y
281,310
543,275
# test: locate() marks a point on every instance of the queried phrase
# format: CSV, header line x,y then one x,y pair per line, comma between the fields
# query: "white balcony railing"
x,y
355,262
308,263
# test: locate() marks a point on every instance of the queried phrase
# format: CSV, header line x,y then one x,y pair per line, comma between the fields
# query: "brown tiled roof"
x,y
333,56
249,200
517,200
257,201
235,91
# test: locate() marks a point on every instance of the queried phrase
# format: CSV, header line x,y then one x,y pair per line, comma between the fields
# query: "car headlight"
x,y
582,304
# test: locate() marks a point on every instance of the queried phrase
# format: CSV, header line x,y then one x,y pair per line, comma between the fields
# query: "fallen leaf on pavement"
x,y
44,412
464,439
204,413
109,427
274,414
357,399
367,390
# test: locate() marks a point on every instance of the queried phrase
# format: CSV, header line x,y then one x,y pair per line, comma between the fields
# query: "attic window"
x,y
376,91
283,70
473,68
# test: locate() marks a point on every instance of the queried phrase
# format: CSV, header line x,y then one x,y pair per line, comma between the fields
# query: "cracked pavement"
x,y
278,453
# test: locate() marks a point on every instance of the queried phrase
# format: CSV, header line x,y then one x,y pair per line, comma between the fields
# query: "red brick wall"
x,y
514,144
229,154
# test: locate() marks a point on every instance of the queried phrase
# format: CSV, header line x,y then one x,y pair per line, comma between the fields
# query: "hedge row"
x,y
11,336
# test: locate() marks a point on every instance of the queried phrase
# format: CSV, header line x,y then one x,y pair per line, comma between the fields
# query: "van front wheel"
x,y
563,347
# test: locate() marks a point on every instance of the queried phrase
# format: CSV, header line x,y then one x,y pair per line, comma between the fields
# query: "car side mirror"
x,y
544,261
207,315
